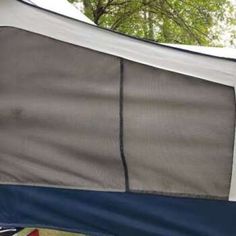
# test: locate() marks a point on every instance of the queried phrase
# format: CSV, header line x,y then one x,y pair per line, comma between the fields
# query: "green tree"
x,y
196,22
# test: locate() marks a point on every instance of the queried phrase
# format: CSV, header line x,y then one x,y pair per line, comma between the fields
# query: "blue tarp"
x,y
106,213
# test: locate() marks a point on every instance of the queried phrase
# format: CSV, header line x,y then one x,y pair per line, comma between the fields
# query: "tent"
x,y
105,134
213,51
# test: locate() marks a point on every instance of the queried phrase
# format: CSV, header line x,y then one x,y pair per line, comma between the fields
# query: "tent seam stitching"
x,y
121,128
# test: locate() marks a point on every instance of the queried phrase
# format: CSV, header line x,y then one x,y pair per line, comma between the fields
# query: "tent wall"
x,y
178,132
59,114
94,111
76,118
102,213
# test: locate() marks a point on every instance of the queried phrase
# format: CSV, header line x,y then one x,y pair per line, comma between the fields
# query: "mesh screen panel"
x,y
59,114
178,132
69,117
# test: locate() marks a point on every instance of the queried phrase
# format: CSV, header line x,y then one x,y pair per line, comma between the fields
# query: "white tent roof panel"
x,y
211,51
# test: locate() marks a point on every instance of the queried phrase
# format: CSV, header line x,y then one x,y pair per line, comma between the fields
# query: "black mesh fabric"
x,y
178,133
75,118
59,114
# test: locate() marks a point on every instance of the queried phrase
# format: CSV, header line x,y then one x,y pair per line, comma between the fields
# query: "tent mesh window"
x,y
59,114
178,132
74,117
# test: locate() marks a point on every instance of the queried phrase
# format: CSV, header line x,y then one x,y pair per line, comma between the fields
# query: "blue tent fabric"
x,y
113,213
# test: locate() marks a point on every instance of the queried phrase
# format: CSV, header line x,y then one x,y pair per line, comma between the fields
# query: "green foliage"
x,y
196,22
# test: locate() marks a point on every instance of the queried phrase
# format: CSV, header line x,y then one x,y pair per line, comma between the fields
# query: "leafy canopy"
x,y
194,22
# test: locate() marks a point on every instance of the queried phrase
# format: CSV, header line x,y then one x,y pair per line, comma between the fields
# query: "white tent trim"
x,y
210,51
